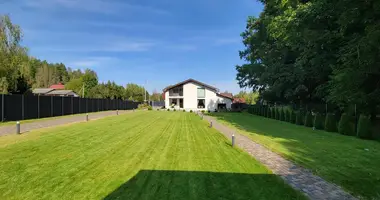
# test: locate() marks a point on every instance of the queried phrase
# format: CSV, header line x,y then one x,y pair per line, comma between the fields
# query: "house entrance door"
x,y
181,103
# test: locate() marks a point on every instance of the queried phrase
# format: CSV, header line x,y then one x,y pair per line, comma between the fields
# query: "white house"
x,y
195,95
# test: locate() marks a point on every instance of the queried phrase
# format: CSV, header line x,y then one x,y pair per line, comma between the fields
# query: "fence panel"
x,y
12,107
75,105
67,106
45,106
57,106
31,107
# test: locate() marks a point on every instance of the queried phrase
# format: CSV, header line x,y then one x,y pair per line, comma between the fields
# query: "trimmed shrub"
x,y
346,125
150,108
168,109
288,115
299,118
158,109
277,116
308,120
202,111
364,127
330,123
282,114
184,110
191,111
273,113
292,117
174,109
319,121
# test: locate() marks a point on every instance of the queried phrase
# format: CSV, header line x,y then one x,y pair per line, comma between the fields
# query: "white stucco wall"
x,y
190,97
167,105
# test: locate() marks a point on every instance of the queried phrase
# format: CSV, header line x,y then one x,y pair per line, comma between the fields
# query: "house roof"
x,y
239,100
226,95
42,90
190,81
58,86
61,92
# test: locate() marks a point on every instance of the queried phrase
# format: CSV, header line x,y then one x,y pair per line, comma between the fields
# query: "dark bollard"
x,y
86,117
210,124
117,112
233,140
18,128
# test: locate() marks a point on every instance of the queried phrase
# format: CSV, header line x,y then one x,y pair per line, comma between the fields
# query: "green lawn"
x,y
142,155
347,161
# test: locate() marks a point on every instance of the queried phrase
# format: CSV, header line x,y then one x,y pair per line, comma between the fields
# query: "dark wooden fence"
x,y
21,107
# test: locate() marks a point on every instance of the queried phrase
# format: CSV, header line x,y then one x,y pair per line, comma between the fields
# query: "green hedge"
x,y
269,112
330,123
299,118
292,117
346,125
287,115
319,122
281,114
308,120
273,113
364,127
277,113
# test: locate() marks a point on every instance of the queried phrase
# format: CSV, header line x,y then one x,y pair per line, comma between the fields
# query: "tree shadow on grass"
x,y
163,184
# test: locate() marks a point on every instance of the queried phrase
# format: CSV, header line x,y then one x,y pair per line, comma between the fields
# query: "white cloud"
x,y
182,47
97,6
226,41
92,62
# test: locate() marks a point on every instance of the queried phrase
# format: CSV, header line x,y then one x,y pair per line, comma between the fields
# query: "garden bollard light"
x,y
86,117
117,112
233,140
18,129
210,124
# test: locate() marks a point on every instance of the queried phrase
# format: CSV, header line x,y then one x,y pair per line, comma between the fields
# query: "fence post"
x,y
72,106
2,107
62,106
79,102
51,107
86,105
38,106
22,107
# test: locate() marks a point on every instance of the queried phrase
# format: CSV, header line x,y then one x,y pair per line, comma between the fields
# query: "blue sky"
x,y
160,41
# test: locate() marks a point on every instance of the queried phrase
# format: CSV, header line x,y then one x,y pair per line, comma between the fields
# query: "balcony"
x,y
175,92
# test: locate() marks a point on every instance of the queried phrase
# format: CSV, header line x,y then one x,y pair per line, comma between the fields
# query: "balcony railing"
x,y
173,94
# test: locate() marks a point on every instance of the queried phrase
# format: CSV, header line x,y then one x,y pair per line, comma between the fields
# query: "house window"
x,y
201,103
201,93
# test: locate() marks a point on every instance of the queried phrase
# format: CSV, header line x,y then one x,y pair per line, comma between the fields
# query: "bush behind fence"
x,y
22,107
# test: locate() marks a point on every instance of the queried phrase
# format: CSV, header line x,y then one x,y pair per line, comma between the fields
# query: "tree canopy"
x,y
314,51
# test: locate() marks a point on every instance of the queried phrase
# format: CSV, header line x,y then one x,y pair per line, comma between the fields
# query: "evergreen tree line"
x,y
344,124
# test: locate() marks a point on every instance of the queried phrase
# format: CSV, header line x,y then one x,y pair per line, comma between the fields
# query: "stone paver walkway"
x,y
298,177
11,129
